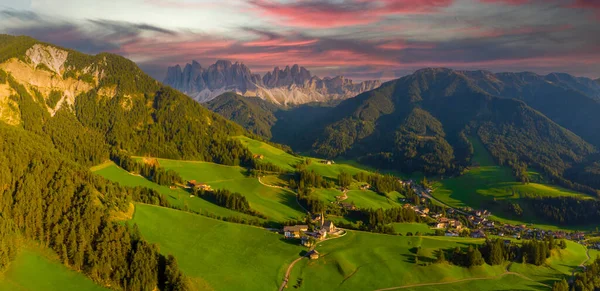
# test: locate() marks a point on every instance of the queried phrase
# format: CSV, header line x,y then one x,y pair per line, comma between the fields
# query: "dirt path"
x,y
289,270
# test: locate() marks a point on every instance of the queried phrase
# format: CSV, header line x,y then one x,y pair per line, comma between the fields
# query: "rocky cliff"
x,y
292,85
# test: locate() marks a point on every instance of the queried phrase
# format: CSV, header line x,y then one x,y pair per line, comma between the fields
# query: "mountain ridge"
x,y
292,85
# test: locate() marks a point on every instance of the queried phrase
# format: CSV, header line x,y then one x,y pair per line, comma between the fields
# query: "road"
x,y
285,189
289,270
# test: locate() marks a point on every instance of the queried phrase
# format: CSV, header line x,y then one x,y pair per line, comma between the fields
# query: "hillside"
x,y
254,114
88,105
420,123
52,201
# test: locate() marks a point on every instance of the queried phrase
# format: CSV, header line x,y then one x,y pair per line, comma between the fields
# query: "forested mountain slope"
x,y
254,114
86,105
51,200
421,123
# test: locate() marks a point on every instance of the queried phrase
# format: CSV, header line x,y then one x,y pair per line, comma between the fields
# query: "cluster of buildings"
x,y
308,237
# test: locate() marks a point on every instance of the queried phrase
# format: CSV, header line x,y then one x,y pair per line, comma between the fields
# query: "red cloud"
x,y
322,14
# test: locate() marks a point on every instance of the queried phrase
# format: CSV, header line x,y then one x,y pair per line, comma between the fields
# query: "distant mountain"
x,y
424,122
292,85
572,102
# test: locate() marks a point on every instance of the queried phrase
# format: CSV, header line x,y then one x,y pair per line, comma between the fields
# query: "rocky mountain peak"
x,y
292,84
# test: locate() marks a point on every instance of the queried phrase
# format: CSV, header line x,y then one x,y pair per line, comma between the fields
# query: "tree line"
x,y
230,200
497,252
154,173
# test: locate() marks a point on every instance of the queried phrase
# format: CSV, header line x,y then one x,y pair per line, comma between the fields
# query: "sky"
x,y
359,39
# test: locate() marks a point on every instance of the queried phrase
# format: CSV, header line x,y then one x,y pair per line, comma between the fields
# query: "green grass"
x,y
403,228
361,198
271,154
33,270
276,204
177,197
488,181
366,261
218,255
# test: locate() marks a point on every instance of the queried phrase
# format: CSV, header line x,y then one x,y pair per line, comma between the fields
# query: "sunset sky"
x,y
360,39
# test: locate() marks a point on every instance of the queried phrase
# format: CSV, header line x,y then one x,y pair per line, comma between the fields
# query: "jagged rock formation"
x,y
292,85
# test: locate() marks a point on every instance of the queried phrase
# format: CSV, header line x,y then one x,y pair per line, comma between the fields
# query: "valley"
x,y
440,180
356,261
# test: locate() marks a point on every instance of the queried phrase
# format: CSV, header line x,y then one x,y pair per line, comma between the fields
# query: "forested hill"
x,y
88,105
254,114
422,122
47,199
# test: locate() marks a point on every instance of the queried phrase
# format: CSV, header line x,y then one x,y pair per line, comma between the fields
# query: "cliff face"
x,y
292,85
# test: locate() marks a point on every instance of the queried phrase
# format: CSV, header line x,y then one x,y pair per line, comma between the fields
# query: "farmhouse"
x,y
328,162
257,156
478,234
441,225
294,231
199,186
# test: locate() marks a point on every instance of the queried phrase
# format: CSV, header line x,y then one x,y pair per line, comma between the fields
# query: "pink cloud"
x,y
509,2
320,14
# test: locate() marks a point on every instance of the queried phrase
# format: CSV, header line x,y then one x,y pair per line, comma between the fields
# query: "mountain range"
x,y
292,85
425,122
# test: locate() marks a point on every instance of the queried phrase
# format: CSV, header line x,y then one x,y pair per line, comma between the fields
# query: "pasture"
x,y
35,269
218,255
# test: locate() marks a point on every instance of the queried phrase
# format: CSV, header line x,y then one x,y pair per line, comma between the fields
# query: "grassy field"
x,y
276,204
361,198
287,161
403,228
218,255
487,181
365,261
33,271
177,197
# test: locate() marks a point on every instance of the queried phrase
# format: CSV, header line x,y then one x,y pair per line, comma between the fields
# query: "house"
x,y
454,223
441,225
257,156
478,212
204,187
313,255
294,231
328,226
478,234
328,162
425,210
365,187
321,234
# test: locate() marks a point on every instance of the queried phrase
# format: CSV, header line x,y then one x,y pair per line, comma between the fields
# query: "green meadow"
x,y
35,270
218,255
177,197
402,228
361,198
276,204
367,261
487,181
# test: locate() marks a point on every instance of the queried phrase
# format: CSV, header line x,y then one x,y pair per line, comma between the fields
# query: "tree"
x,y
344,179
441,258
474,257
